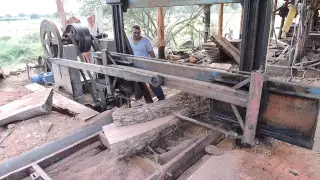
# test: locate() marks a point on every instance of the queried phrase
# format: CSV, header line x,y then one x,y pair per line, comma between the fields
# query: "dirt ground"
x,y
12,88
278,161
29,134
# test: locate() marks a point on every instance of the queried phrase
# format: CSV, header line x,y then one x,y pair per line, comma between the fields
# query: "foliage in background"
x,y
181,23
15,51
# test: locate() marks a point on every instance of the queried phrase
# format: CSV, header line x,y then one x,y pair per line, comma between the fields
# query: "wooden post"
x,y
62,14
207,12
241,23
220,20
160,32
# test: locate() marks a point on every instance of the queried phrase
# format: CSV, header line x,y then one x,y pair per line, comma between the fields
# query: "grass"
x,y
25,49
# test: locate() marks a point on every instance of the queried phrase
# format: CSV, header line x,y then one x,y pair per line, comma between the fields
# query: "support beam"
x,y
249,130
220,20
161,3
62,13
209,90
255,35
241,22
207,13
160,33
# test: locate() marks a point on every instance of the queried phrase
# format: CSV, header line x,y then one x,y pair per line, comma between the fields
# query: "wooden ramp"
x,y
62,103
28,106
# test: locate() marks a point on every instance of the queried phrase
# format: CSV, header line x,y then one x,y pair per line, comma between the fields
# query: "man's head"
x,y
136,32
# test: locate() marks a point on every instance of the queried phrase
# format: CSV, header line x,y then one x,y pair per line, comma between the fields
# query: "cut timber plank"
x,y
227,47
28,106
41,172
62,103
146,164
217,167
125,141
186,158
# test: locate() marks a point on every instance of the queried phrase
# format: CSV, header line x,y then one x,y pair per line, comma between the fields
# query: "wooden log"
x,y
28,106
63,104
186,158
125,141
227,47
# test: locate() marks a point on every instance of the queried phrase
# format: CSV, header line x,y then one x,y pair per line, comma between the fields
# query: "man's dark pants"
x,y
156,90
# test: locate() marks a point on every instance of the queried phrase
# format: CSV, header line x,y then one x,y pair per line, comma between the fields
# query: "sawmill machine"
x,y
248,101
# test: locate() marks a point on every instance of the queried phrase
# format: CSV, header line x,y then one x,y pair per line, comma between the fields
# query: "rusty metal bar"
x,y
229,134
209,90
256,85
241,84
161,3
236,112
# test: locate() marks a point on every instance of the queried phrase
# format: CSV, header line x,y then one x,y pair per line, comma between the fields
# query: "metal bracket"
x,y
241,84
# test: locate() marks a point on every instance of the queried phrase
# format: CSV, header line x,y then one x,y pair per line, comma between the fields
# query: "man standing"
x,y
141,46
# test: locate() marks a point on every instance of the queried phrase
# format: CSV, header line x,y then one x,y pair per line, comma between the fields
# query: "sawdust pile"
x,y
187,103
29,134
103,166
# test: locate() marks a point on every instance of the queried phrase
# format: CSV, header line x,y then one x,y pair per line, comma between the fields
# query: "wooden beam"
x,y
41,172
241,23
220,20
160,32
125,141
28,106
61,103
207,13
62,14
186,158
227,47
256,86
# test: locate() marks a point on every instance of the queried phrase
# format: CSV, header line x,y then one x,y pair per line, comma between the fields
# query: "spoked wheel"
x,y
50,39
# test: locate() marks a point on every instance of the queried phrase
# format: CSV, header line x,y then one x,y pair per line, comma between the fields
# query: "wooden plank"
x,y
227,47
256,85
73,156
41,172
186,158
125,141
28,106
62,103
145,164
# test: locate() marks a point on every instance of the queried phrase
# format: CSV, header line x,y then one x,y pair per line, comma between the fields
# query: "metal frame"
x,y
255,34
161,3
224,88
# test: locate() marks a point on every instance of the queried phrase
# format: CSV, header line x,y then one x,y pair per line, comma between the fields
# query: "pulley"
x,y
81,34
50,39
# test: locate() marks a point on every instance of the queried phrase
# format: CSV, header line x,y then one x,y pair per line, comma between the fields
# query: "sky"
x,y
14,7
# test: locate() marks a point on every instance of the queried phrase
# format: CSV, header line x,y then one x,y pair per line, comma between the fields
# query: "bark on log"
x,y
126,141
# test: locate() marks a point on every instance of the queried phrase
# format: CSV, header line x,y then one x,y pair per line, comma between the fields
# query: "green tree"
x,y
34,16
22,15
8,15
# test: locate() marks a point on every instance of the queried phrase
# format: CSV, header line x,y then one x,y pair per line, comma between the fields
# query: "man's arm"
x,y
152,55
150,49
